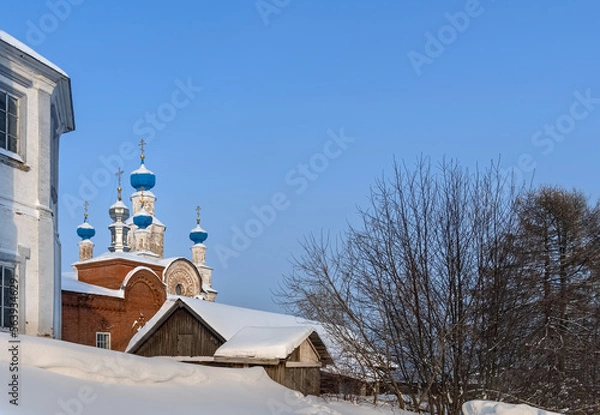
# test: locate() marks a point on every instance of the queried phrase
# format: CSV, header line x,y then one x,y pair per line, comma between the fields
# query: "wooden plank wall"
x,y
180,335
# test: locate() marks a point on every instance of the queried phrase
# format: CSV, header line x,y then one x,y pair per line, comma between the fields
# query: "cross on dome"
x,y
198,235
85,230
142,176
142,144
119,173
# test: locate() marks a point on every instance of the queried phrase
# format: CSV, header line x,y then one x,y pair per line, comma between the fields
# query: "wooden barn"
x,y
196,331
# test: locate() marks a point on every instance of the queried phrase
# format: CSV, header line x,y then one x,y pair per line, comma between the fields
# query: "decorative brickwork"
x,y
183,273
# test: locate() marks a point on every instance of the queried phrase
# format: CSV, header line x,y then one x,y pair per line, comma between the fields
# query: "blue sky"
x,y
265,85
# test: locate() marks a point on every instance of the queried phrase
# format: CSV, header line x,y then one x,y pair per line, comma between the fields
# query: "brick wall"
x,y
86,314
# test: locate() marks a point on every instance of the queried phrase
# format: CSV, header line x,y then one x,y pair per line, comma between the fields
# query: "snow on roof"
x,y
119,204
228,320
499,408
64,377
225,319
71,283
131,273
131,256
6,38
265,342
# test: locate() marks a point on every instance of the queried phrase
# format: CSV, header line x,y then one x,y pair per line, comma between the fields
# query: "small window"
x,y
9,122
103,340
178,289
9,296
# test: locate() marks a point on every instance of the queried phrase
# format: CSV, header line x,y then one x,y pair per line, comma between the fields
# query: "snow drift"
x,y
498,408
61,378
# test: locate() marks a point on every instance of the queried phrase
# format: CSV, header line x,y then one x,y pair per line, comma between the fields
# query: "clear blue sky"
x,y
274,84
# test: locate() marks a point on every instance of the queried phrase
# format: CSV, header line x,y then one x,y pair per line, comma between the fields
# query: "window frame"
x,y
7,114
17,160
3,307
103,338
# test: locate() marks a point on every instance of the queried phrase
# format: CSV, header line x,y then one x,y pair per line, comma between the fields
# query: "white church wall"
x,y
28,191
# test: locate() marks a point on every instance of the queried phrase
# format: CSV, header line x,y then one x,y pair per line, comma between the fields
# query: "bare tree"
x,y
406,293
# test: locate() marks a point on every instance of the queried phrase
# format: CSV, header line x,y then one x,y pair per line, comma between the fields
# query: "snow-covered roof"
x,y
265,342
71,283
131,273
6,38
119,204
228,320
131,256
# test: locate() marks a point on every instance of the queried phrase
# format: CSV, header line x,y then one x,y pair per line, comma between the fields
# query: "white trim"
x,y
303,364
107,339
131,273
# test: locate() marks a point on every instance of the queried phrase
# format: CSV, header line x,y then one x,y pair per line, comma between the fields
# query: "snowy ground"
x,y
59,378
62,378
497,408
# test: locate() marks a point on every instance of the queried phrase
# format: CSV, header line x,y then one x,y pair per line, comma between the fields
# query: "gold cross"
x,y
119,173
142,144
198,209
86,204
119,188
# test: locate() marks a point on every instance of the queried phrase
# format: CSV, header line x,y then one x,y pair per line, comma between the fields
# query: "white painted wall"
x,y
29,184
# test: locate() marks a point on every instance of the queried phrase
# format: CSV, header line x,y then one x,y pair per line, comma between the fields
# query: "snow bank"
x,y
61,378
498,408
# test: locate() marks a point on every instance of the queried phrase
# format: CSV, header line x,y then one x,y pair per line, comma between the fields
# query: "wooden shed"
x,y
196,331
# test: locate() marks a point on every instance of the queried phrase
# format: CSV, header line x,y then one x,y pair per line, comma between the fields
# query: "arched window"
x,y
178,289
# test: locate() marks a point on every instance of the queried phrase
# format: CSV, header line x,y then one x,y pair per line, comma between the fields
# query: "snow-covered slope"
x,y
498,408
56,377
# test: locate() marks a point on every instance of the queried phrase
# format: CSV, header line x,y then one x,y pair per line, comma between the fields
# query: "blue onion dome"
x,y
198,235
142,219
142,178
85,230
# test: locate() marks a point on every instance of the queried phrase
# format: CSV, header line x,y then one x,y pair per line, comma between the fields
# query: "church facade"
x,y
35,110
110,297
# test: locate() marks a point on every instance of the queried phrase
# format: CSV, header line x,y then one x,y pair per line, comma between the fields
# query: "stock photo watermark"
x,y
547,137
436,43
298,181
266,8
145,127
76,405
14,342
48,23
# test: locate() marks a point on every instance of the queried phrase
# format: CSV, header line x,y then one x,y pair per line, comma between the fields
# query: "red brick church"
x,y
108,298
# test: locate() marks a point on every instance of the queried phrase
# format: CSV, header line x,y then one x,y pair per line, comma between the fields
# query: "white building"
x,y
35,109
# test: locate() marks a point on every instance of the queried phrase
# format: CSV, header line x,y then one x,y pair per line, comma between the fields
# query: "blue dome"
x,y
198,235
85,231
142,178
142,219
